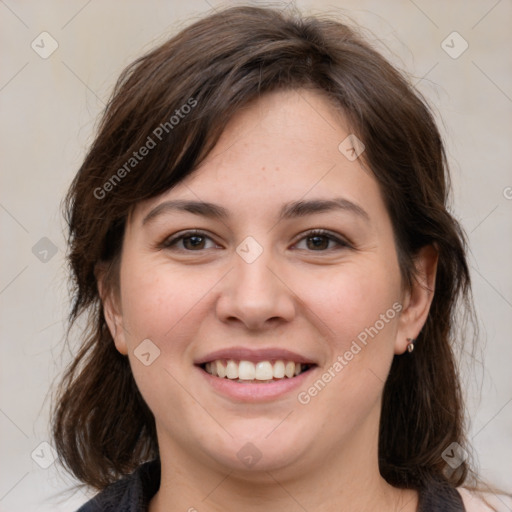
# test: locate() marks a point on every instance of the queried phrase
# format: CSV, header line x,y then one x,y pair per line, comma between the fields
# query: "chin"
x,y
250,453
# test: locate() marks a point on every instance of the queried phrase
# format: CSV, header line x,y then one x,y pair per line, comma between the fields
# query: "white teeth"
x,y
247,371
221,369
278,369
264,371
231,370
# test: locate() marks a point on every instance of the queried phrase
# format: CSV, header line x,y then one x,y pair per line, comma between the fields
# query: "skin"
x,y
190,301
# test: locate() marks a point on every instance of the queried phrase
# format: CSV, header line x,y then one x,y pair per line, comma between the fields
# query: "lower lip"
x,y
253,392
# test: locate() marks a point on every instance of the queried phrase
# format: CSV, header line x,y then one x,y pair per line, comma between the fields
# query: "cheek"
x,y
360,307
355,300
161,305
157,301
167,307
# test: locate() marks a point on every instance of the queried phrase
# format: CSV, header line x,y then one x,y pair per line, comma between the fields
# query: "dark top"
x,y
134,492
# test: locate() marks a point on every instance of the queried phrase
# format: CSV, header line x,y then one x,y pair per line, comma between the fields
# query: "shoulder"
x,y
475,501
129,494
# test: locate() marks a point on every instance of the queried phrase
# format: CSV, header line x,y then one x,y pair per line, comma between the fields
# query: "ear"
x,y
111,308
418,299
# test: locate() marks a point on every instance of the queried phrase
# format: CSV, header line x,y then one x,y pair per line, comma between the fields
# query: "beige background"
x,y
50,108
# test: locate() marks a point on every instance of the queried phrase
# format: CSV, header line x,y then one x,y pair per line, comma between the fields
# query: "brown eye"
x,y
319,240
190,240
193,242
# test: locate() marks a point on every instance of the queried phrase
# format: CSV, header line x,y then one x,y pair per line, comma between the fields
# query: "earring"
x,y
410,344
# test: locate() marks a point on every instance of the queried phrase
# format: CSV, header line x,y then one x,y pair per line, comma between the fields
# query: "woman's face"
x,y
254,287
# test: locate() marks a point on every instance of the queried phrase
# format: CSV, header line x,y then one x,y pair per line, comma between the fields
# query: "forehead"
x,y
281,148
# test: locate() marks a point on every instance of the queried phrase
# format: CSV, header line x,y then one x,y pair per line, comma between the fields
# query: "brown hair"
x,y
102,426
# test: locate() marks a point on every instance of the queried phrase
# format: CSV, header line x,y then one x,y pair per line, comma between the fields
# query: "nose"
x,y
256,294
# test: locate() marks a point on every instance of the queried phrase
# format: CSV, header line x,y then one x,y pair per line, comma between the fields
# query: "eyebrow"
x,y
288,211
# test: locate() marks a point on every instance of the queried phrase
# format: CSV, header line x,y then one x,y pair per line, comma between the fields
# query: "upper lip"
x,y
254,355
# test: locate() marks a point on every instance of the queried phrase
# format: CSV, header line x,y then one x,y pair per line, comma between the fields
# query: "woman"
x,y
259,234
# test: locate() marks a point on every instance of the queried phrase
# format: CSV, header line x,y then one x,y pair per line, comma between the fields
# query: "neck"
x,y
347,480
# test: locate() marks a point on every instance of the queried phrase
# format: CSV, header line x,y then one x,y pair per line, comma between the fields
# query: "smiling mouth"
x,y
248,372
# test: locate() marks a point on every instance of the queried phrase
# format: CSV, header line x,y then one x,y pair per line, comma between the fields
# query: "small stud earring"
x,y
410,345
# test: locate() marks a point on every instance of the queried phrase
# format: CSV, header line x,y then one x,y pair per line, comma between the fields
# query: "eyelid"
x,y
340,240
176,237
169,241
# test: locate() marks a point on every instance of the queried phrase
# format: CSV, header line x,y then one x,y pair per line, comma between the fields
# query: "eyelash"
x,y
168,243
